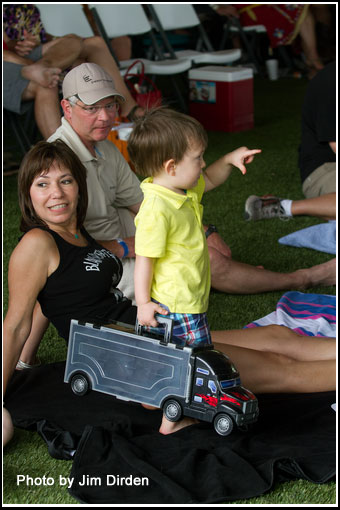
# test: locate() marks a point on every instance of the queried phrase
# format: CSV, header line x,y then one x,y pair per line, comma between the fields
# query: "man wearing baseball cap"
x,y
90,102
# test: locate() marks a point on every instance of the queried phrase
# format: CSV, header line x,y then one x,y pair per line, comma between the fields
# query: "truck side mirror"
x,y
168,323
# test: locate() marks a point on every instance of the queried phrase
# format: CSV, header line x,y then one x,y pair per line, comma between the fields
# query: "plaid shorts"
x,y
191,329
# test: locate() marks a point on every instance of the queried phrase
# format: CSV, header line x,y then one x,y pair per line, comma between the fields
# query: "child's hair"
x,y
163,134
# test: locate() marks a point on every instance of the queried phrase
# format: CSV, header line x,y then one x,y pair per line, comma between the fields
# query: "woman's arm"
x,y
33,260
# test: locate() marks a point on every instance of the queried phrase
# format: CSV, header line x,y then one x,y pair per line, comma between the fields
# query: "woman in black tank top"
x,y
73,277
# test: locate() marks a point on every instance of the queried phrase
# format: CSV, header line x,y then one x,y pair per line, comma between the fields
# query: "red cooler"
x,y
221,97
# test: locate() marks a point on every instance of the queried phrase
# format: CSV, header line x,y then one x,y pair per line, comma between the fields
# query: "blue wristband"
x,y
125,246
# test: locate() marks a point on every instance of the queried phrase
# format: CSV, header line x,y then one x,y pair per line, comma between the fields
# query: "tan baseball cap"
x,y
90,83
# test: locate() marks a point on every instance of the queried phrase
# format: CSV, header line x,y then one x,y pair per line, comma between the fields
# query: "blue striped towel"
x,y
307,314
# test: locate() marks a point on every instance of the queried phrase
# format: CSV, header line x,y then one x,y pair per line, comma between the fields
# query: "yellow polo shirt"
x,y
169,229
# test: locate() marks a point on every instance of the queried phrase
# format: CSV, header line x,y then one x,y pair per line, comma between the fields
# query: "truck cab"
x,y
216,393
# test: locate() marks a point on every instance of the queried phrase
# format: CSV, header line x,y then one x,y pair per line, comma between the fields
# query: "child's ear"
x,y
170,167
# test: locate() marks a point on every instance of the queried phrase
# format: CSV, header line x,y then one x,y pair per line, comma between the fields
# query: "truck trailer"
x,y
131,365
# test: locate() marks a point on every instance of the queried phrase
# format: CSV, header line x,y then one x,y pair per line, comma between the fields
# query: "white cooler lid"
x,y
220,73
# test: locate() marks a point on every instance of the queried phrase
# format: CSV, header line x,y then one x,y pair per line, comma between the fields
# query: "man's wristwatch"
x,y
125,246
210,230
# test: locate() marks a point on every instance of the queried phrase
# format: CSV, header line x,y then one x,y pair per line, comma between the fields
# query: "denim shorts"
x,y
189,329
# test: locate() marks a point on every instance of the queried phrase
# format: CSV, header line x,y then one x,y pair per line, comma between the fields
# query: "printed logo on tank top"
x,y
93,260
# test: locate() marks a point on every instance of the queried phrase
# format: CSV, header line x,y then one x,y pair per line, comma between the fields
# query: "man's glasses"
x,y
94,110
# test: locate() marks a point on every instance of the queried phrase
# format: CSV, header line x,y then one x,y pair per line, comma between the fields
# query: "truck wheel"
x,y
223,424
80,384
172,410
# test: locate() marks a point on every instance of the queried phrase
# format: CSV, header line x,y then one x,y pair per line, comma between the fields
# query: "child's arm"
x,y
217,173
143,279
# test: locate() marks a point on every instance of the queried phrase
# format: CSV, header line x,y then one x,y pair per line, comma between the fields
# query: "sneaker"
x,y
262,208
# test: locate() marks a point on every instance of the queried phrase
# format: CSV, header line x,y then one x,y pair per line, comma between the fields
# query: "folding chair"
x,y
62,19
249,36
179,16
114,20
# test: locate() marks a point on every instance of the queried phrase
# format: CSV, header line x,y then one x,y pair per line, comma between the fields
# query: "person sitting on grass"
x,y
317,157
269,206
50,264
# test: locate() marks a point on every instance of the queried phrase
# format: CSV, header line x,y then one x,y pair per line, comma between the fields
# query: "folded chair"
x,y
249,36
63,19
177,16
114,20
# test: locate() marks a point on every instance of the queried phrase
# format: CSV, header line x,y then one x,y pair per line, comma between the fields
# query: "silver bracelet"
x,y
22,365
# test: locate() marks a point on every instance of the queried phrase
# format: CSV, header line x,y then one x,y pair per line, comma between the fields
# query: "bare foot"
x,y
322,274
151,408
39,73
169,427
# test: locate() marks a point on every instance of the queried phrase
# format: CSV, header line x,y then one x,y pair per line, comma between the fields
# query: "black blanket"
x,y
121,458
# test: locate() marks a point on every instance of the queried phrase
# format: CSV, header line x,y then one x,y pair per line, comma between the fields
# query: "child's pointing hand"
x,y
242,156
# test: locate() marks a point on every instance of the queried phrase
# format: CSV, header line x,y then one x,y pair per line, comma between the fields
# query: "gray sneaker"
x,y
262,208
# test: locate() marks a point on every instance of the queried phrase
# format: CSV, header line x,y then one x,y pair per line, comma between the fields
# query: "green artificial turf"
x,y
277,133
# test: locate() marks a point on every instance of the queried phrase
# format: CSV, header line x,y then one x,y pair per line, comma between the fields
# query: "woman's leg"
x,y
279,340
265,372
309,44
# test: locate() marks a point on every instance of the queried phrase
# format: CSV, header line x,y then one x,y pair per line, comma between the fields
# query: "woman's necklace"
x,y
65,232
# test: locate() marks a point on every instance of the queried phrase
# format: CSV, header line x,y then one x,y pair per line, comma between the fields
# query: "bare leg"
x,y
308,39
122,47
42,75
11,56
61,52
323,206
279,340
47,110
264,372
95,50
56,56
39,326
234,277
38,71
46,107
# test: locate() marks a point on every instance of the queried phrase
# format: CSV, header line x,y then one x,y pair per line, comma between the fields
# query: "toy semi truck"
x,y
201,383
